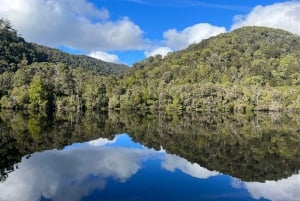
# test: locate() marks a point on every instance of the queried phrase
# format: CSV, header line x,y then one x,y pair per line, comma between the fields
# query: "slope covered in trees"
x,y
252,68
41,78
73,61
16,52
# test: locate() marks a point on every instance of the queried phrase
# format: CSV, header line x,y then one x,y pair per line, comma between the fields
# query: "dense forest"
x,y
251,68
41,78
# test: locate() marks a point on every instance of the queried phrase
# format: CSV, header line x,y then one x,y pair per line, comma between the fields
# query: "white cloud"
x,y
194,34
176,40
76,24
163,51
104,56
284,15
284,189
173,162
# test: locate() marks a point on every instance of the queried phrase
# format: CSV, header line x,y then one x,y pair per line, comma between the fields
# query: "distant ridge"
x,y
15,51
57,56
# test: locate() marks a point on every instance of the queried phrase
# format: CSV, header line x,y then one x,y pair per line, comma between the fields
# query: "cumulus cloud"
x,y
104,56
76,24
285,189
173,162
163,51
284,15
194,34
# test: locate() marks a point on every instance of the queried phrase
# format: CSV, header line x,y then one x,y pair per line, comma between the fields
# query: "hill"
x,y
15,52
252,68
73,61
40,78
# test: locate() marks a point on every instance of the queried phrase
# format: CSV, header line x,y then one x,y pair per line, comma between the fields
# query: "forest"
x,y
248,69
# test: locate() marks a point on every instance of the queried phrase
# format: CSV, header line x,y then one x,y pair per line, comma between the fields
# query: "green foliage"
x,y
252,68
95,96
14,49
75,61
16,53
38,94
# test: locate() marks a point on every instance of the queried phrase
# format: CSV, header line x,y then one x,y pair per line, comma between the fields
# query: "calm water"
x,y
163,157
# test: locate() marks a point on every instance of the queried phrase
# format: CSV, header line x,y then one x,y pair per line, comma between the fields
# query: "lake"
x,y
137,156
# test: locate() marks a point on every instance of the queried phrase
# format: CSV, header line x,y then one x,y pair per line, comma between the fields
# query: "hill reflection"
x,y
255,147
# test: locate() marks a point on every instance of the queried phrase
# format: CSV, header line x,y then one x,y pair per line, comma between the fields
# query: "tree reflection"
x,y
258,147
255,147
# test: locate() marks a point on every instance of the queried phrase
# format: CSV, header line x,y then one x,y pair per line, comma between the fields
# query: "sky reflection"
x,y
86,170
284,189
65,174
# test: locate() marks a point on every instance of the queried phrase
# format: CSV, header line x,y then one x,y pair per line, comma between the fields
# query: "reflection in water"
x,y
258,147
173,162
87,170
72,173
284,189
262,149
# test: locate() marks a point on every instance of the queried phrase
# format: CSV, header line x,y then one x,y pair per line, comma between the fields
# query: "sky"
x,y
127,31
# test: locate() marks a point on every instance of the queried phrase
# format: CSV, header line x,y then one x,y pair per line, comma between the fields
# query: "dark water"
x,y
118,156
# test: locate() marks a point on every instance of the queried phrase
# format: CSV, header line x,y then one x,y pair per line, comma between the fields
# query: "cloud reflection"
x,y
173,162
102,141
281,190
284,189
66,174
76,171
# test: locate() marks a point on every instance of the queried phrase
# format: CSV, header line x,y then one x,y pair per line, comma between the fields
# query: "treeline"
x,y
252,68
48,86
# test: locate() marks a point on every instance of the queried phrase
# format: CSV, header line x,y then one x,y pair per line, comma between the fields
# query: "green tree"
x,y
95,96
38,94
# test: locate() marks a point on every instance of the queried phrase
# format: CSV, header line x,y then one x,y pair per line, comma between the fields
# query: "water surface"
x,y
163,157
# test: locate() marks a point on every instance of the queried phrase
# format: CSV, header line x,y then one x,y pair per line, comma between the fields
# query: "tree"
x,y
95,96
38,94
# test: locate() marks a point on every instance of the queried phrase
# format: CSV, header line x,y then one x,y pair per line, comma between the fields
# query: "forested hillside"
x,y
16,52
41,78
73,61
252,68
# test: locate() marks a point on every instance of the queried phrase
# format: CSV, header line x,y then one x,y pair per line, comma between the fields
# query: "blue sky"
x,y
127,31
